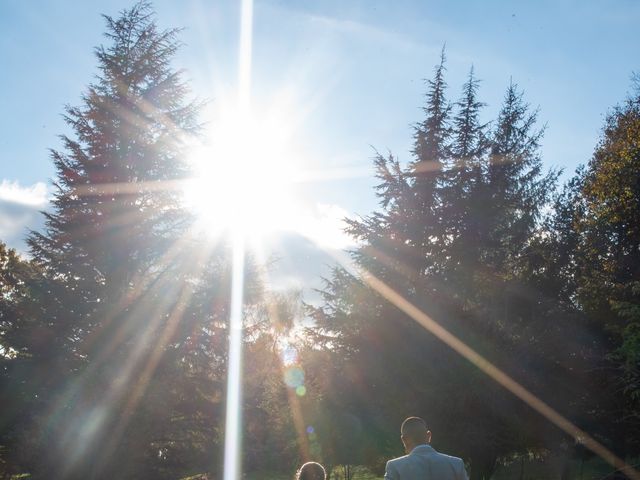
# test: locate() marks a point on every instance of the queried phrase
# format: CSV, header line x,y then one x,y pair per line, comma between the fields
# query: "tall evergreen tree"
x,y
110,373
434,241
432,134
431,154
464,192
519,189
410,229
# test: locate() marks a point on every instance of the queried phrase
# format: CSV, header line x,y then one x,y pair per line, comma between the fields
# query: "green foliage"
x,y
118,328
454,236
630,348
603,225
113,335
24,339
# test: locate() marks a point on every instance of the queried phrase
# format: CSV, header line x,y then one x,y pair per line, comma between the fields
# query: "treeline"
x,y
113,334
545,285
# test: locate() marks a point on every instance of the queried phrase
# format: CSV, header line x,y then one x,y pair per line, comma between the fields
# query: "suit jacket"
x,y
424,463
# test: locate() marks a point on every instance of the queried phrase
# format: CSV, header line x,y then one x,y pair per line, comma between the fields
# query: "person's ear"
x,y
428,436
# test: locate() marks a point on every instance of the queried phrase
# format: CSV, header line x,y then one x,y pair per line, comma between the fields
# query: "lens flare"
x,y
294,376
233,440
233,437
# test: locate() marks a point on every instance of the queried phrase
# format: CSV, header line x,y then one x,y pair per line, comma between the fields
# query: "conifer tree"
x,y
465,190
434,241
410,230
117,277
519,188
431,155
432,134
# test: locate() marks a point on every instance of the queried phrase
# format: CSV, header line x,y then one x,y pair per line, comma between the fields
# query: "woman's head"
x,y
311,471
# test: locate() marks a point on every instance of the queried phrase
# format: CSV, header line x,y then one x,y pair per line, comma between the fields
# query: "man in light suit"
x,y
422,462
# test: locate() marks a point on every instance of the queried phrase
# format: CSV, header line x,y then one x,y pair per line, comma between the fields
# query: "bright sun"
x,y
243,173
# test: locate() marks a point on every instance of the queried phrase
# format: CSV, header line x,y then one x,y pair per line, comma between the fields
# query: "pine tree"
x,y
438,240
410,230
117,278
432,134
465,191
402,247
519,189
431,155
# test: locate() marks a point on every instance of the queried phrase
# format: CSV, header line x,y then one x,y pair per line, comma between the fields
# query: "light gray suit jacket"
x,y
424,463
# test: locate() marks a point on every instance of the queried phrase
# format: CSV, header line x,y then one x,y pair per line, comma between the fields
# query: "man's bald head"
x,y
414,432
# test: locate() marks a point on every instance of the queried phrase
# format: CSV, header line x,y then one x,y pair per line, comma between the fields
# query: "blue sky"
x,y
351,73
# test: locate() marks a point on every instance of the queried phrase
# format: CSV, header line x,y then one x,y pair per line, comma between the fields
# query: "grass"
x,y
541,469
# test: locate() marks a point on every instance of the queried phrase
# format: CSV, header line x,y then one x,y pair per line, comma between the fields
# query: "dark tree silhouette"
x,y
452,236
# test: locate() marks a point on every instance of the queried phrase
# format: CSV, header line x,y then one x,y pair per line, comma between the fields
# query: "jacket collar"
x,y
424,448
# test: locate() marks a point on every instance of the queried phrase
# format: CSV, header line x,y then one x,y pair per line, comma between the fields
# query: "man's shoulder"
x,y
434,454
397,461
448,458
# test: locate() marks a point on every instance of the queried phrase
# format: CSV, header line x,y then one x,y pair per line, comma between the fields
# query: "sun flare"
x,y
243,173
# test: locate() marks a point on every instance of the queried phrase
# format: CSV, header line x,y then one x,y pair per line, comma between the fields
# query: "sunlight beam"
x,y
233,421
244,59
498,375
233,437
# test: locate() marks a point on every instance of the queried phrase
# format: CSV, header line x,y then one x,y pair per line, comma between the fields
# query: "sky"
x,y
346,77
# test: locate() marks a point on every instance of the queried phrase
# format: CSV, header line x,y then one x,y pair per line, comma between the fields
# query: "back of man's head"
x,y
311,471
414,431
